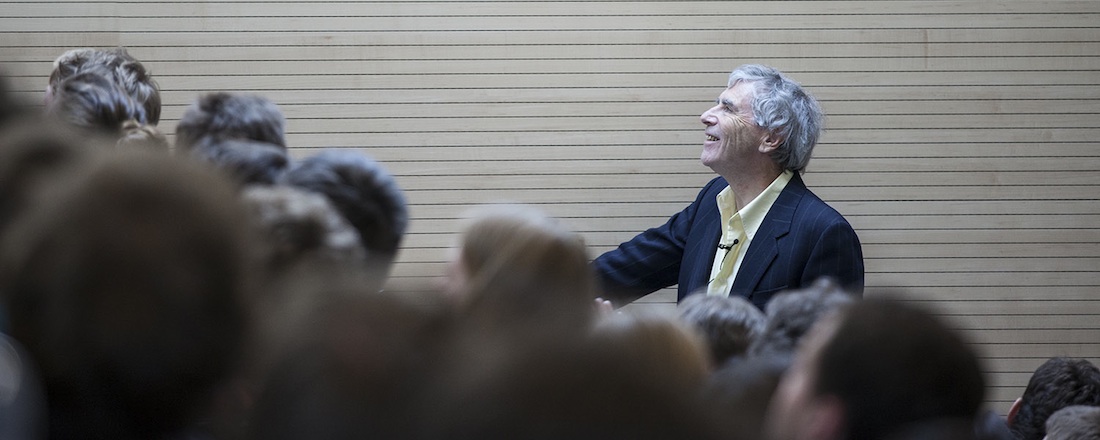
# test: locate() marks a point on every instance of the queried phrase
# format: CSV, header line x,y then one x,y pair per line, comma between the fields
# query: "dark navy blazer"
x,y
800,239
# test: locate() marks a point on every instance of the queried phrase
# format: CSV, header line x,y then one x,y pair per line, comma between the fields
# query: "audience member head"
x,y
1077,422
740,391
10,107
791,314
247,162
876,367
558,389
33,155
781,106
729,323
669,350
299,227
517,266
943,429
343,360
91,101
989,425
237,116
364,192
22,402
1058,383
126,285
115,64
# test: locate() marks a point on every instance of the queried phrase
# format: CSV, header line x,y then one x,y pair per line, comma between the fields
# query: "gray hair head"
x,y
781,106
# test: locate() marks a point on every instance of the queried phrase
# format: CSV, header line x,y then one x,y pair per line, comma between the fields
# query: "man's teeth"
x,y
711,138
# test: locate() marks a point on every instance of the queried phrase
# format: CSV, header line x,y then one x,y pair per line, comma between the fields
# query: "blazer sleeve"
x,y
651,260
837,254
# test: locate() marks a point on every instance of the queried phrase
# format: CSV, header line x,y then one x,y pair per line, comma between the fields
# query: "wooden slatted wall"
x,y
962,142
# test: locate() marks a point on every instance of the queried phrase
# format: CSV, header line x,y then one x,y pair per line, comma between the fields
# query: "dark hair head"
x,y
741,390
118,66
126,286
298,226
246,161
36,154
791,314
891,364
558,389
342,359
91,100
231,116
363,192
1058,383
1076,422
729,324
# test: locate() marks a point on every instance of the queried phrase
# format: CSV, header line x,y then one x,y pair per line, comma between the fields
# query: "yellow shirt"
x,y
738,228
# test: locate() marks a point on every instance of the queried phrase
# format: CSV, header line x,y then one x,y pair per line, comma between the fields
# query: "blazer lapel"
x,y
765,244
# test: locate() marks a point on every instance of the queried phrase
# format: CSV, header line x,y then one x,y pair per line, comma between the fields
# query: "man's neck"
x,y
747,186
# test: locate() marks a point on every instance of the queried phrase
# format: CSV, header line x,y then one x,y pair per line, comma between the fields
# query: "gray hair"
x,y
781,106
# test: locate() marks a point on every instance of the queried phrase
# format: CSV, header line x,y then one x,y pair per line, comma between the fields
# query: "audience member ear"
x,y
1013,410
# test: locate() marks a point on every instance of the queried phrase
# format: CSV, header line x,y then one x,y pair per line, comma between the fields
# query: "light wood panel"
x,y
962,144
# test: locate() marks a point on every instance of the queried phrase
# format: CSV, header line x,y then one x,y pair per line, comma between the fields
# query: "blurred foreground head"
x,y
126,286
341,360
34,155
874,368
558,389
517,267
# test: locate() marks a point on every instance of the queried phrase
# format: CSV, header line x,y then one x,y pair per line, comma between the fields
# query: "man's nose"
x,y
708,117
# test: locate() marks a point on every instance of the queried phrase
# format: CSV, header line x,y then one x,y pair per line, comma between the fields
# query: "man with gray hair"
x,y
756,229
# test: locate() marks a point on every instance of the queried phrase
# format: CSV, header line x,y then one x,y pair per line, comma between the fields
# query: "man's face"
x,y
795,412
731,133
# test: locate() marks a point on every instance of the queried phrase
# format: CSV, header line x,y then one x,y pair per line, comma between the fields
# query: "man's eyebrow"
x,y
727,103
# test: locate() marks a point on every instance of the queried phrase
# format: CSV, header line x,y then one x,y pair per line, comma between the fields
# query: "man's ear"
x,y
828,419
770,142
1013,410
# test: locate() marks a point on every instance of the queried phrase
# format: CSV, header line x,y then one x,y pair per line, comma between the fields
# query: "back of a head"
x,y
558,389
117,65
363,191
659,345
740,391
791,314
1058,383
299,226
245,161
891,365
526,269
36,154
945,429
126,287
91,100
238,116
1076,422
729,324
342,360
